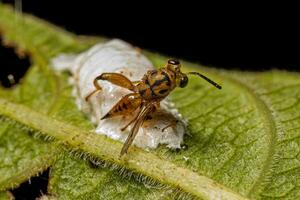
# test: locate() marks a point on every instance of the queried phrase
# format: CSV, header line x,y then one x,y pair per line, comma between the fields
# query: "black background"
x,y
247,37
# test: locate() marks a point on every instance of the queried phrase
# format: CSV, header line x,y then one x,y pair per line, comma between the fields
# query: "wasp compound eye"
x,y
173,62
183,81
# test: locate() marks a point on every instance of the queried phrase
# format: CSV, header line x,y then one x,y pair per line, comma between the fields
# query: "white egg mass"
x,y
120,57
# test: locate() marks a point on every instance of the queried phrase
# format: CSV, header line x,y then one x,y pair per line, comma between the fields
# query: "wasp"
x,y
146,94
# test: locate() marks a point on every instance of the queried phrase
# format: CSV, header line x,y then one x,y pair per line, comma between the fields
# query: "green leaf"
x,y
22,155
280,93
4,195
244,140
74,178
21,165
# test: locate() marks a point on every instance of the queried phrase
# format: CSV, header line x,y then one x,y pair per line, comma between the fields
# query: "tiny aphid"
x,y
146,94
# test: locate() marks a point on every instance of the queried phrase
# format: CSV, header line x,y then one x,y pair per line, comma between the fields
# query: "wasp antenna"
x,y
207,79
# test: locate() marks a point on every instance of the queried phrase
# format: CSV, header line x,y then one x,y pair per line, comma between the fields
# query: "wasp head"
x,y
181,78
174,65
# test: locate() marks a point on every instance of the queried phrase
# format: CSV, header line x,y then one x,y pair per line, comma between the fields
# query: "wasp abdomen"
x,y
126,106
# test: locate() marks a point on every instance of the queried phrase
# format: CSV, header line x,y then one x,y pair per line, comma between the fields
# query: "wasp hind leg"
x,y
141,117
148,117
135,118
114,78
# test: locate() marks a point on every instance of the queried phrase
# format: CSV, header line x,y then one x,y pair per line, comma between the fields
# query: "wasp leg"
x,y
97,86
117,79
144,112
123,129
114,78
126,106
156,106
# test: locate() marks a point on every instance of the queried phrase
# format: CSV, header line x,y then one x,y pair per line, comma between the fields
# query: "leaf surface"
x,y
243,141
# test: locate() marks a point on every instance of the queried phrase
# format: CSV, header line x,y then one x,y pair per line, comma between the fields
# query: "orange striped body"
x,y
156,84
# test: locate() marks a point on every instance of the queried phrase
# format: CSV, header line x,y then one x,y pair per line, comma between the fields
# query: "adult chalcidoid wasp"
x,y
146,94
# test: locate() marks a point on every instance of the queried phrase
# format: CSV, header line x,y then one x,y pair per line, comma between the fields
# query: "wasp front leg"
x,y
114,78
